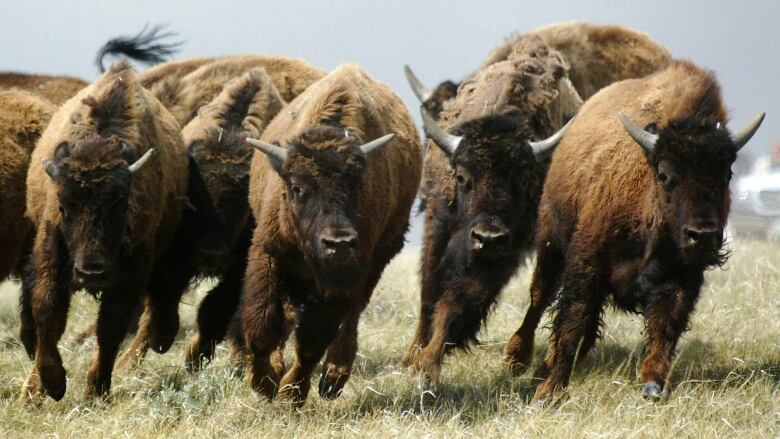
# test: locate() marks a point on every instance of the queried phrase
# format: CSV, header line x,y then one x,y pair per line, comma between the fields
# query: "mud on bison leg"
x,y
666,318
576,321
113,320
318,325
519,350
214,317
50,302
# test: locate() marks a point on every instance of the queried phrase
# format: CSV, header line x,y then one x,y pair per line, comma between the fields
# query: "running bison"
x,y
331,196
105,191
23,117
597,56
481,186
634,207
215,235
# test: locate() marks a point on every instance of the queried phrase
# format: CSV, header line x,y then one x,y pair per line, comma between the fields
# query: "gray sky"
x,y
440,39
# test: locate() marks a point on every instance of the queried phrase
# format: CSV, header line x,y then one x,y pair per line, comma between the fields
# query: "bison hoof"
x,y
330,386
53,381
161,344
652,390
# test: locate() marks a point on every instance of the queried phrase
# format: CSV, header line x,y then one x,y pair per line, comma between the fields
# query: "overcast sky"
x,y
740,41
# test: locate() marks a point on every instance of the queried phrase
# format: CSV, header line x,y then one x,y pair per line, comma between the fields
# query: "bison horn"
x,y
742,137
643,138
446,141
135,167
544,148
419,90
375,145
276,154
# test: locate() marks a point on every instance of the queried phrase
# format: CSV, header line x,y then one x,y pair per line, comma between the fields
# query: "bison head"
x,y
322,170
222,158
93,177
691,161
497,179
432,101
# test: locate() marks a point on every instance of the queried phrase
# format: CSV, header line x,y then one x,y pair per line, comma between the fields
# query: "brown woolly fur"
x,y
56,89
597,55
525,87
214,237
200,86
638,229
327,192
23,117
100,225
162,80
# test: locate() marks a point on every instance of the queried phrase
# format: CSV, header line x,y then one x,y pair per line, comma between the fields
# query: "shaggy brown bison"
x,y
332,205
23,117
55,89
596,55
481,185
634,207
105,190
215,235
185,95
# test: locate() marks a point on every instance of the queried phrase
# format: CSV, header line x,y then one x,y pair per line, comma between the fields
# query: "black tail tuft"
x,y
146,47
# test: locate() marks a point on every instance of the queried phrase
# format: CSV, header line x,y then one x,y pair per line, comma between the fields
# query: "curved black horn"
x,y
743,137
544,148
377,144
446,141
135,167
643,138
418,88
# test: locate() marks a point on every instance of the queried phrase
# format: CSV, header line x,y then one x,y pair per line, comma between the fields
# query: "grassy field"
x,y
726,375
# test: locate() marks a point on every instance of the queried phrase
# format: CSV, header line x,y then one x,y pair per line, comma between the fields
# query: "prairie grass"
x,y
726,376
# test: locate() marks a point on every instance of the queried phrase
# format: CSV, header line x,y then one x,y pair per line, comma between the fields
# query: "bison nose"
x,y
706,238
338,242
91,273
489,238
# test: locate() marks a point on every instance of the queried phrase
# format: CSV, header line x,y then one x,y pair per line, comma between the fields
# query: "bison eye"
x,y
461,179
297,191
664,178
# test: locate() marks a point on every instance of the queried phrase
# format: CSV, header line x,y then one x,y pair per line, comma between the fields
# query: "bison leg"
x,y
26,319
50,302
341,355
262,318
520,348
214,315
666,318
576,320
318,325
433,248
113,320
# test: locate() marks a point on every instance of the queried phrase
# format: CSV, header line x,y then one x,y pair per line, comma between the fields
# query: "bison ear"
x,y
53,166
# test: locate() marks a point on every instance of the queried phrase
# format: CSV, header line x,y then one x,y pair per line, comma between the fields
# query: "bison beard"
x,y
639,226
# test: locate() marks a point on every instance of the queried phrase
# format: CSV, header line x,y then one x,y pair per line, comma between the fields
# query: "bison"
x,y
481,185
215,235
55,89
633,209
331,194
185,95
597,55
105,191
23,117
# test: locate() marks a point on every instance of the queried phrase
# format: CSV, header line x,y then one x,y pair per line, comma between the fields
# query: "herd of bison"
x,y
587,146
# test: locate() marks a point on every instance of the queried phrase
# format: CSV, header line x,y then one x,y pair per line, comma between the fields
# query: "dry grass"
x,y
726,376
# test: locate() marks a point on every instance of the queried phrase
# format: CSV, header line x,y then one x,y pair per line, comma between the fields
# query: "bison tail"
x,y
146,47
